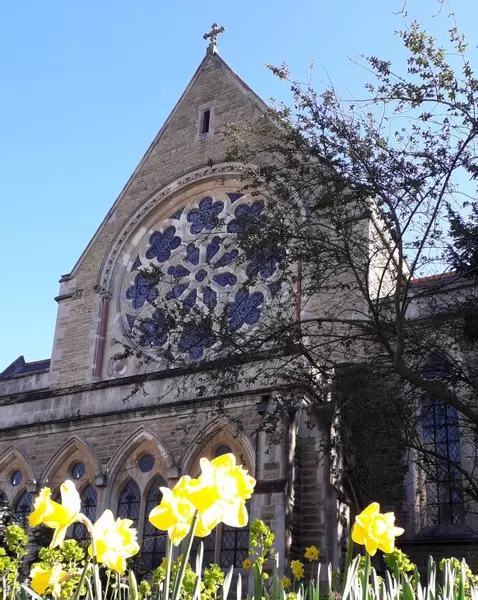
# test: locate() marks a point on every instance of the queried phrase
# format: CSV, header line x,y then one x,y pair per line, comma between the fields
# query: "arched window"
x,y
89,502
209,555
24,508
234,545
221,450
154,540
442,462
129,502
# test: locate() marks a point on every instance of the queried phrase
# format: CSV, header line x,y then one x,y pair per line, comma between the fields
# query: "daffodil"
x,y
57,516
115,541
217,495
176,511
376,531
223,488
297,569
42,579
286,583
247,564
311,553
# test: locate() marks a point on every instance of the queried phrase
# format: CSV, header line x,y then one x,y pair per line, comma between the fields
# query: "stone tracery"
x,y
195,251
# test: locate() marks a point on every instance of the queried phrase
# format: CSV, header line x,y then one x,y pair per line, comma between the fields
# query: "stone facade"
x,y
76,415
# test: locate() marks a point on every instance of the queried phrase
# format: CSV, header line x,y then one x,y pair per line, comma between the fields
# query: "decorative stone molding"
x,y
101,480
221,170
75,295
102,292
33,487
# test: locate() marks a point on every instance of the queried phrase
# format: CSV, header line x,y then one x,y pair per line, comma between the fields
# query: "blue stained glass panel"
x,y
225,279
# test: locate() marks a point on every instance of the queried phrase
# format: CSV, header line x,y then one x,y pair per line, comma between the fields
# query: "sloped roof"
x,y
21,367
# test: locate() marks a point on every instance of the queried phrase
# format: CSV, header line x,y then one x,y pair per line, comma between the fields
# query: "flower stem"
x,y
107,585
96,572
185,559
366,575
348,561
167,583
82,579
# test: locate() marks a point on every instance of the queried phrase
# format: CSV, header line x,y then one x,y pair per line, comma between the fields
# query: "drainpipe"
x,y
291,447
102,324
261,408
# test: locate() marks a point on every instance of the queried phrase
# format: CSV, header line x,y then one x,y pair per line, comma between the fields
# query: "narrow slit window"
x,y
206,121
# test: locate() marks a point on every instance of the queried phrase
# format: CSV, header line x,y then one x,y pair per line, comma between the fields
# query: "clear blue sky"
x,y
87,84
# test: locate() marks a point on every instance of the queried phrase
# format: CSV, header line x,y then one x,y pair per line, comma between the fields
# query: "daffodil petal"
x,y
59,536
70,499
358,534
371,546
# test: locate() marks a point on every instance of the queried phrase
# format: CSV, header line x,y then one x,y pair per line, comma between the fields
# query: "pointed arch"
x,y
15,458
75,450
218,432
126,452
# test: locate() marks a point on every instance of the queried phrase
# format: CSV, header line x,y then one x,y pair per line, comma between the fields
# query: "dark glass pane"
x,y
129,502
89,502
78,471
146,463
24,508
234,546
444,482
209,543
221,450
154,540
16,478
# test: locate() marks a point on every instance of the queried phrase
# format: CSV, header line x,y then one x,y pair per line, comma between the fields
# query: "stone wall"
x,y
176,150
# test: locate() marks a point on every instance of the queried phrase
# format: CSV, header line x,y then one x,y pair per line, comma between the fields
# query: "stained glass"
x,y
154,540
441,436
24,508
199,268
129,502
89,502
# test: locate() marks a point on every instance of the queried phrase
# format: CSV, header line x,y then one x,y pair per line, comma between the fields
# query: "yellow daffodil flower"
x,y
115,541
218,494
247,564
376,531
175,512
311,553
57,516
223,487
42,579
297,569
286,583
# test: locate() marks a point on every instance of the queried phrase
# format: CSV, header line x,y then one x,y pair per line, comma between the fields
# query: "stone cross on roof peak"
x,y
212,35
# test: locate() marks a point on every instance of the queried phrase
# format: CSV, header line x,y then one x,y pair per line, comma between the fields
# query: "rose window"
x,y
201,270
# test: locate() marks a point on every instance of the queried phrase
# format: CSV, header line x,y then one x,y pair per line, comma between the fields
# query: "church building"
x,y
76,416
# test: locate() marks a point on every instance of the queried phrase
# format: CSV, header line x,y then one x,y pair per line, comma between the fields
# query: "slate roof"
x,y
21,367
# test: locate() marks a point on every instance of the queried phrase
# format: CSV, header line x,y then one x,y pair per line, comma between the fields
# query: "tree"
x,y
463,253
352,201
